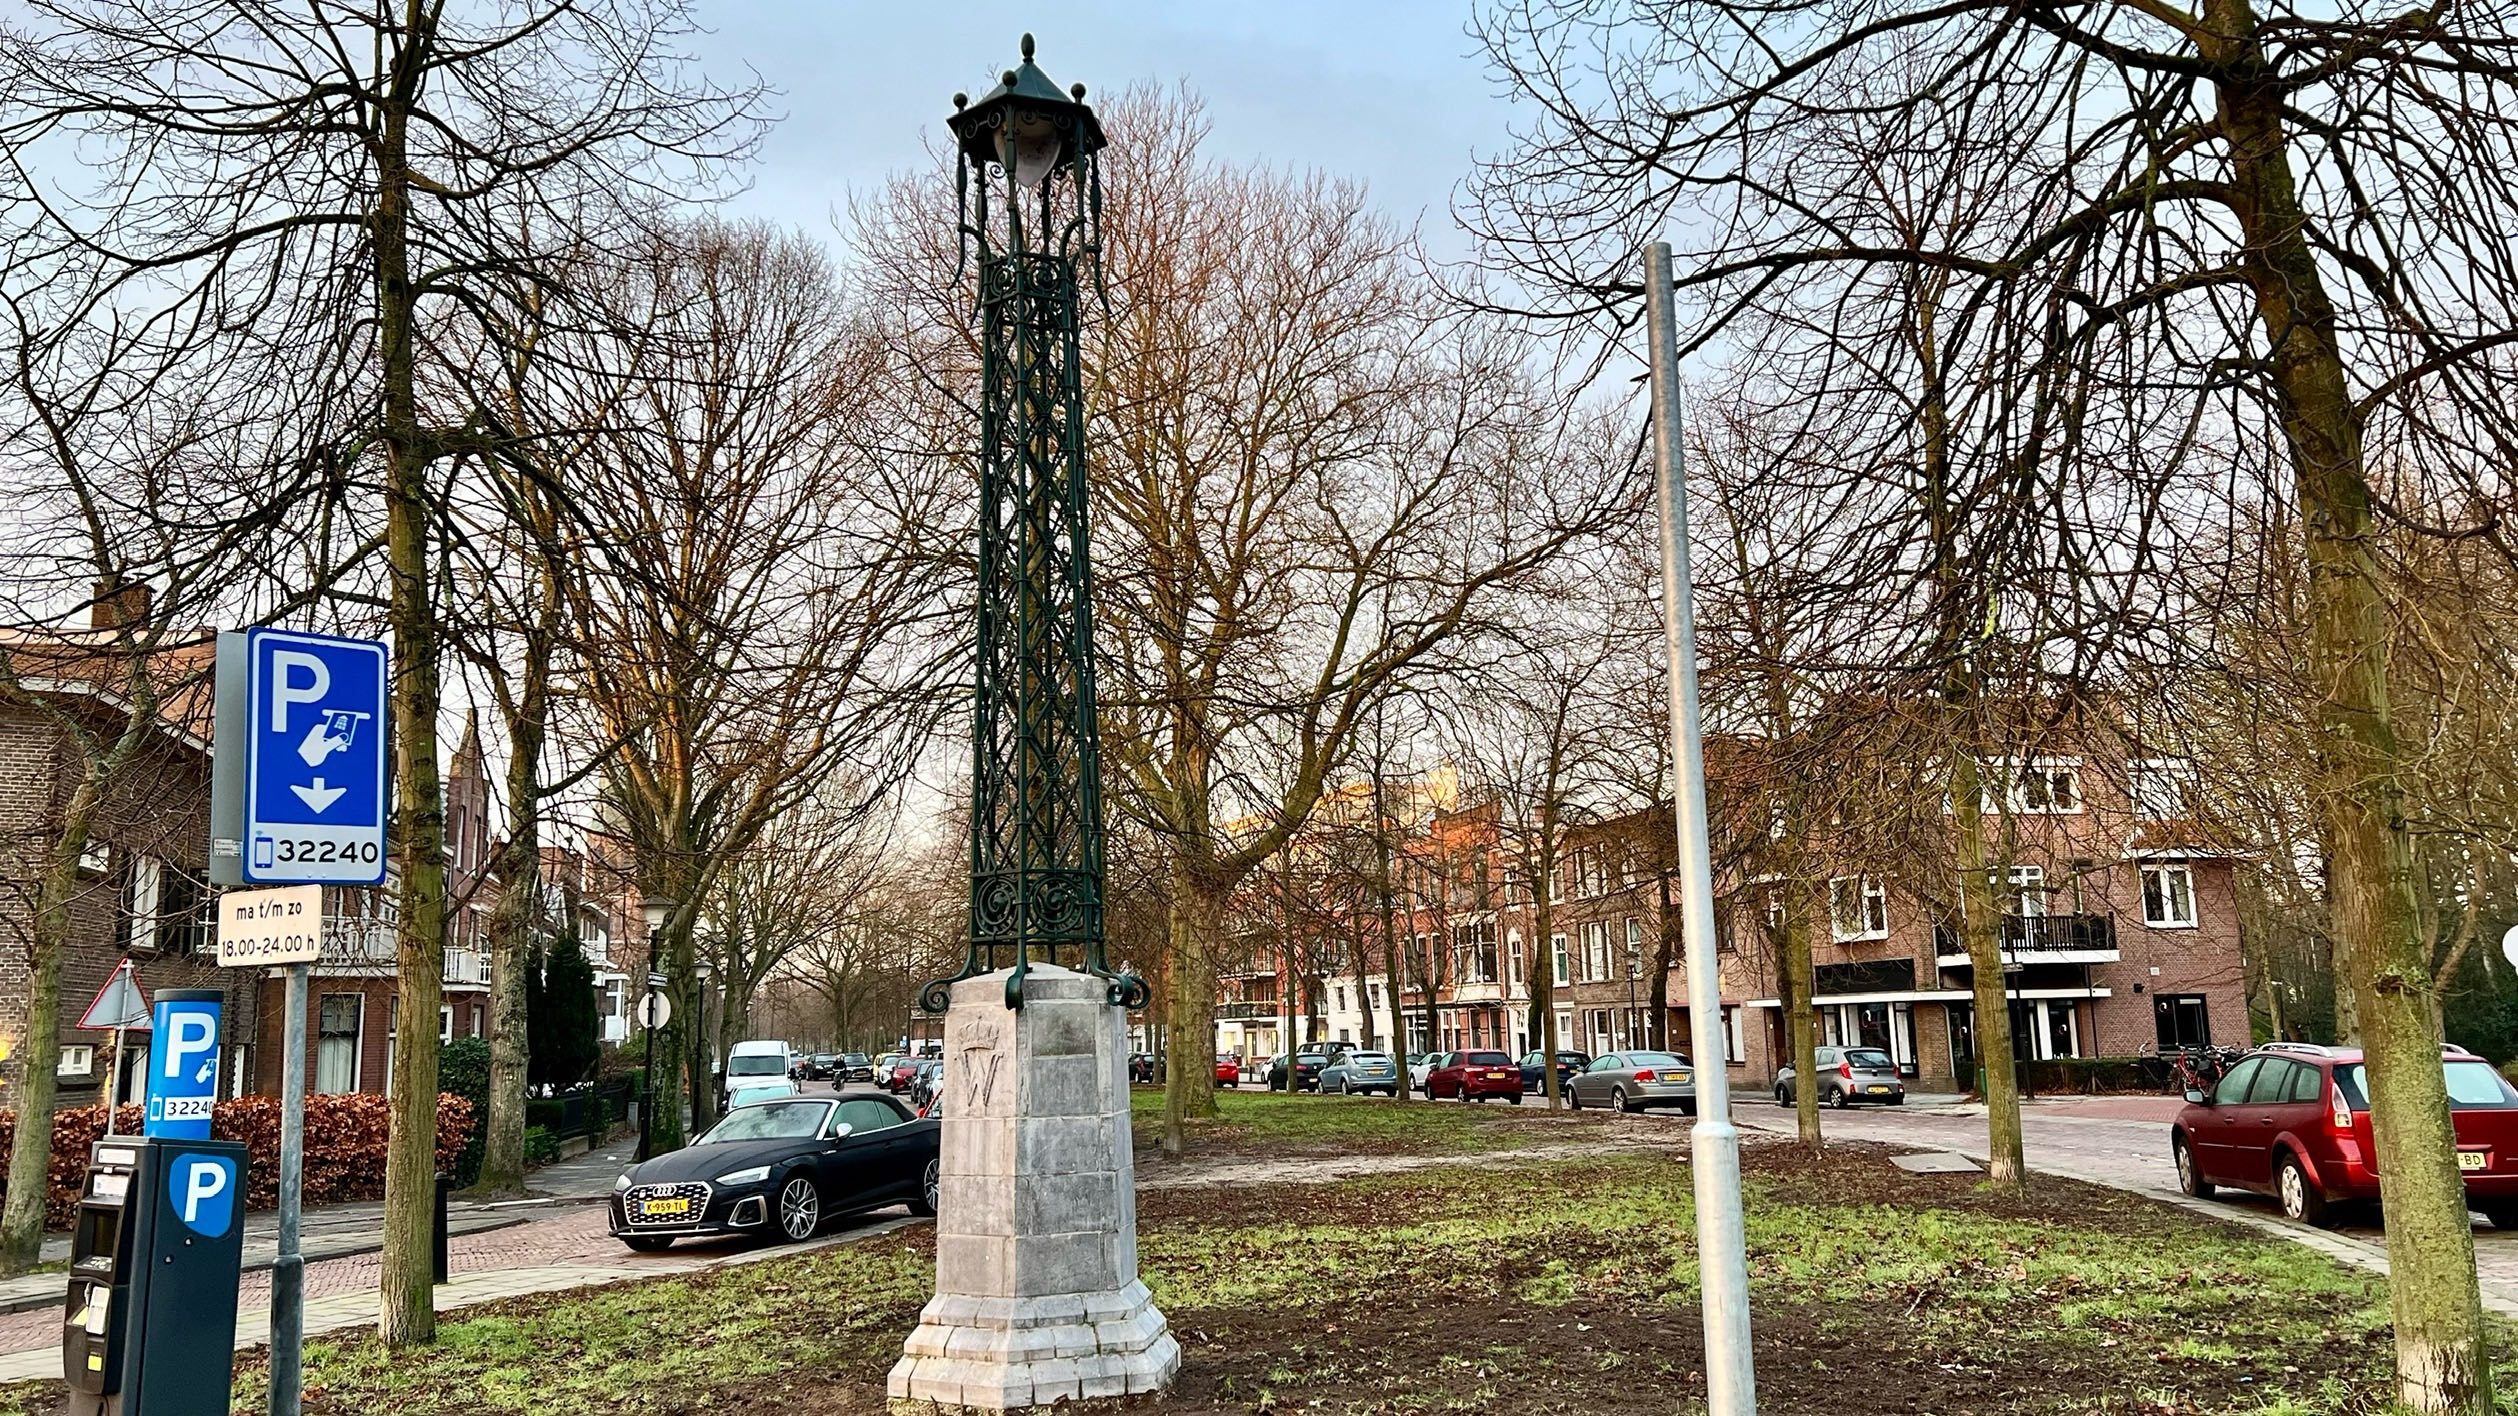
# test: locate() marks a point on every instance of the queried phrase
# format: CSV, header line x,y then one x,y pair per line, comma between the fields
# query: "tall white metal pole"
x,y
1721,1246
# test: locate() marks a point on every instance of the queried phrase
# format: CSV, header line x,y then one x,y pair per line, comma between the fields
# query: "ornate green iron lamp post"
x,y
1031,207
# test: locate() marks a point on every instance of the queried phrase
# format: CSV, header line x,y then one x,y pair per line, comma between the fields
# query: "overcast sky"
x,y
1383,90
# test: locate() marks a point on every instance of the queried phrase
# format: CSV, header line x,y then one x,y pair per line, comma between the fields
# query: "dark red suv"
x,y
1475,1076
2292,1120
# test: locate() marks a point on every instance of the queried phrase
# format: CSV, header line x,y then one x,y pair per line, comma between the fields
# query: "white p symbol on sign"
x,y
202,1181
191,1035
284,691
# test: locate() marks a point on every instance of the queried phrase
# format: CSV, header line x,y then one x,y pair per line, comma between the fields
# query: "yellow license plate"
x,y
1878,1091
2474,1160
665,1209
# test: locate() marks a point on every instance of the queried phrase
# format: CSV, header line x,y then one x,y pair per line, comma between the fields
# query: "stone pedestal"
x,y
1037,1296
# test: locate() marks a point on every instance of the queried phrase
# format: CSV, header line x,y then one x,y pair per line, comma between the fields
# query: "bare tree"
x,y
343,179
749,627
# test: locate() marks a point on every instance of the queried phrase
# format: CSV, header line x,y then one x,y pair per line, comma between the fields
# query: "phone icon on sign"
x,y
262,852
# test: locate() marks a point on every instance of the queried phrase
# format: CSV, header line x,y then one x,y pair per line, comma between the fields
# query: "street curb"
x,y
30,1302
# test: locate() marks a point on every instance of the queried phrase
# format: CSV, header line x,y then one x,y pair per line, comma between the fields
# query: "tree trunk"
x,y
511,947
1393,966
672,958
1980,925
1543,984
1363,988
2442,1361
1665,948
407,1311
1801,1007
39,1053
1195,917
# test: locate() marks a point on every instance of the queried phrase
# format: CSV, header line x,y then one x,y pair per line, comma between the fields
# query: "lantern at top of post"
x,y
1016,144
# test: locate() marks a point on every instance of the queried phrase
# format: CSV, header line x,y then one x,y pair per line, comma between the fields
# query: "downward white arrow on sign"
x,y
318,796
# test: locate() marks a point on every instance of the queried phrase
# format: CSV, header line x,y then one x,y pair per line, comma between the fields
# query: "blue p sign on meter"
x,y
183,1064
314,759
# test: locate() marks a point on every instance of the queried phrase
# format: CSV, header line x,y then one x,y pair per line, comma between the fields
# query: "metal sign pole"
x,y
113,1083
288,1270
1721,1244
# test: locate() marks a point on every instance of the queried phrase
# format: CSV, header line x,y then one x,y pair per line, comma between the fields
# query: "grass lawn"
x,y
1498,1285
1259,1122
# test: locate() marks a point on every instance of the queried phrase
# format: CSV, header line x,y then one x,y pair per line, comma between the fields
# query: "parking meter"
x,y
149,1326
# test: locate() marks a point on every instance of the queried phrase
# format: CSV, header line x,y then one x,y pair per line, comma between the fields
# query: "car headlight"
x,y
621,1184
751,1176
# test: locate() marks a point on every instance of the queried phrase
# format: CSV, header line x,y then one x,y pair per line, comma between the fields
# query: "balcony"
x,y
2039,939
467,969
1247,1012
352,942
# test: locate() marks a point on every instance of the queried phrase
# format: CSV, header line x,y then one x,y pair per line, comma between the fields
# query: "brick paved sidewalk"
x,y
567,1250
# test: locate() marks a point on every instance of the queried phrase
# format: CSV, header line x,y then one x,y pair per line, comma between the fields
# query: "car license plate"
x,y
664,1209
2474,1160
1495,1076
1877,1091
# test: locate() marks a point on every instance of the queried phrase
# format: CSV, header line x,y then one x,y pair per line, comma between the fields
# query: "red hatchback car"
x,y
2292,1120
1475,1076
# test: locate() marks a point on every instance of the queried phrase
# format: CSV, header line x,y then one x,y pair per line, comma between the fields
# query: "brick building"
x,y
2119,931
142,890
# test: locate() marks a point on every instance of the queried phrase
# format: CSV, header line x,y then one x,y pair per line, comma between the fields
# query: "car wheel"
x,y
2300,1199
1617,1100
1573,1098
1841,1099
934,1180
799,1209
1898,1100
1516,1098
648,1243
1687,1108
1782,1097
2502,1216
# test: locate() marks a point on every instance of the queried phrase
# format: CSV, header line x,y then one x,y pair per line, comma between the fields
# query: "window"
x,y
2234,1083
2168,896
445,1022
95,858
1857,907
1634,947
140,881
2040,786
76,1061
1561,960
337,1020
1512,951
1595,951
1342,998
2181,1019
1734,1048
2023,891
865,1114
2158,787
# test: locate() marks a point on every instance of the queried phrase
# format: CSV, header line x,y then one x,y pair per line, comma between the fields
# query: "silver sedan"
x,y
1632,1081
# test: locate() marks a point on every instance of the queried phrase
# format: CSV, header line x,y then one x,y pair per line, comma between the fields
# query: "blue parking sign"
x,y
314,750
183,1064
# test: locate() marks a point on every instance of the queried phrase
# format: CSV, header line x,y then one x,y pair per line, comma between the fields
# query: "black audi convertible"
x,y
779,1169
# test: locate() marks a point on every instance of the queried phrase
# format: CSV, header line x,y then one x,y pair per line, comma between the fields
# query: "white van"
x,y
757,1071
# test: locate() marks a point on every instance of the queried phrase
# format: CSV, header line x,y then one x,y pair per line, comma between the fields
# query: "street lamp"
x,y
658,910
1030,202
702,1070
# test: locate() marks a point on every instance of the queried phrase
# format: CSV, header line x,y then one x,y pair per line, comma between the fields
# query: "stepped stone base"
x,y
1037,1298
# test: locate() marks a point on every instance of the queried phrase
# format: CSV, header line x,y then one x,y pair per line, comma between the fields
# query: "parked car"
x,y
753,1063
1847,1075
1362,1070
1141,1068
1228,1069
855,1067
1422,1066
1475,1076
1307,1065
929,1080
1569,1063
780,1169
897,1077
1634,1081
2292,1120
758,1089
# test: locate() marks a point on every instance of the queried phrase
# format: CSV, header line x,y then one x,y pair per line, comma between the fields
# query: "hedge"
x,y
345,1146
2090,1076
